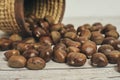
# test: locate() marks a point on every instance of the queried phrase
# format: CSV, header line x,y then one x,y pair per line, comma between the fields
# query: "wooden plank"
x,y
68,74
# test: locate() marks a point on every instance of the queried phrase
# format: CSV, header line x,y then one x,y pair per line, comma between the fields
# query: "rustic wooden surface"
x,y
57,71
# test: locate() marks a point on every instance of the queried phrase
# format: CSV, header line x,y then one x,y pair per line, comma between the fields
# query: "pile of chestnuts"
x,y
63,44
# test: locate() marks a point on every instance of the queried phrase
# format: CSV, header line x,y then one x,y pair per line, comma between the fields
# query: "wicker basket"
x,y
12,13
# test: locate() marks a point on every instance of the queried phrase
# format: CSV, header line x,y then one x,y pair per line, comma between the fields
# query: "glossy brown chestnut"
x,y
108,40
116,45
46,40
35,63
71,35
29,40
96,27
72,49
105,49
112,33
99,60
89,48
76,59
15,37
30,53
113,56
56,36
17,61
10,53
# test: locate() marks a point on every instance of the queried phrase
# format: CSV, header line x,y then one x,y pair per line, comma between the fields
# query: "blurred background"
x,y
87,8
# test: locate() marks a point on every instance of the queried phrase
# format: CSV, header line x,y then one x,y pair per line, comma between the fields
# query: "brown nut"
x,y
30,53
76,59
29,40
89,48
116,45
38,32
56,36
72,49
56,27
59,56
49,19
44,24
108,40
81,39
96,27
24,46
17,61
61,46
46,40
45,52
36,45
70,28
105,49
85,33
112,33
15,43
35,63
118,64
99,60
70,42
5,44
62,31
15,37
108,27
113,56
97,37
71,35
10,53
87,26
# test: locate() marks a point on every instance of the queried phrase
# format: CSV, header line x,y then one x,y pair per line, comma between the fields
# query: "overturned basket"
x,y
12,13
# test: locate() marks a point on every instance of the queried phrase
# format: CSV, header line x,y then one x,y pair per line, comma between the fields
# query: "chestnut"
x,y
24,46
61,46
29,40
49,19
105,49
70,28
10,53
46,40
112,33
96,27
108,40
99,60
108,27
56,36
15,37
35,63
5,44
45,52
17,61
89,48
59,56
71,35
56,27
72,49
97,37
81,39
70,42
116,45
76,59
30,53
113,56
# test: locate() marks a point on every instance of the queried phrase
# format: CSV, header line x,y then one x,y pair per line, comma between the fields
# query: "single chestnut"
x,y
97,37
10,53
71,35
46,40
17,61
73,49
81,39
105,49
35,63
112,33
116,45
108,40
5,44
56,36
70,28
96,27
56,27
30,53
59,56
76,59
89,48
108,27
15,37
113,56
99,60
29,40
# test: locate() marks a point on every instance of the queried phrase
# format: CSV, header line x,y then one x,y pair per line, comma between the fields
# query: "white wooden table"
x,y
57,71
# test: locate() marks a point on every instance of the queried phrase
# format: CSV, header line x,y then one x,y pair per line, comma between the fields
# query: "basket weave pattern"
x,y
7,16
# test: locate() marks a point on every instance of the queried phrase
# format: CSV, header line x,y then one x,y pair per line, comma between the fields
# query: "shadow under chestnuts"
x,y
62,44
